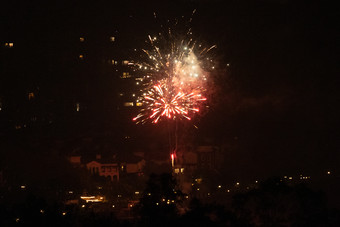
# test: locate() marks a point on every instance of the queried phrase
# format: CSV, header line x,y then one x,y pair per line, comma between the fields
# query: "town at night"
x,y
169,113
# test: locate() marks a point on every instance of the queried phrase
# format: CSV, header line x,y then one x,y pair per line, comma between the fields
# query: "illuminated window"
x,y
81,56
30,95
125,62
128,104
182,170
9,44
112,38
176,170
126,75
0,106
113,62
139,104
77,106
81,39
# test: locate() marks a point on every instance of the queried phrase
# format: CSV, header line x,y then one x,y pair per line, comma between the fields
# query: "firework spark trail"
x,y
161,103
177,71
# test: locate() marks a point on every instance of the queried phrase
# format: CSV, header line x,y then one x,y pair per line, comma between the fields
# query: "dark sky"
x,y
276,106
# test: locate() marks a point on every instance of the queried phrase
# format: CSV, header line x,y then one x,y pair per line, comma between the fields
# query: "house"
x,y
209,157
109,170
75,159
186,162
135,167
199,158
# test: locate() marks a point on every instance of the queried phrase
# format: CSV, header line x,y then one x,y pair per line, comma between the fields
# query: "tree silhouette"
x,y
160,201
275,203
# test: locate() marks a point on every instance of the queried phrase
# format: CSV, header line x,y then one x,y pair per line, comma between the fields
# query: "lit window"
x,y
182,170
81,39
128,104
9,44
81,56
126,75
113,62
30,95
139,104
125,62
77,106
176,170
112,38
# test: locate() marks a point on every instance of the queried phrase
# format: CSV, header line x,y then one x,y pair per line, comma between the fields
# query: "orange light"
x,y
172,160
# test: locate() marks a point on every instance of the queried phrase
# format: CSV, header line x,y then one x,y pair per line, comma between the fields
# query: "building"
x,y
108,170
199,158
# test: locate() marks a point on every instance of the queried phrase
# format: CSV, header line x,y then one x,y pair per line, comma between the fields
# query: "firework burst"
x,y
161,101
176,70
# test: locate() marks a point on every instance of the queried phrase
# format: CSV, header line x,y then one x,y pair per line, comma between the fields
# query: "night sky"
x,y
275,106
